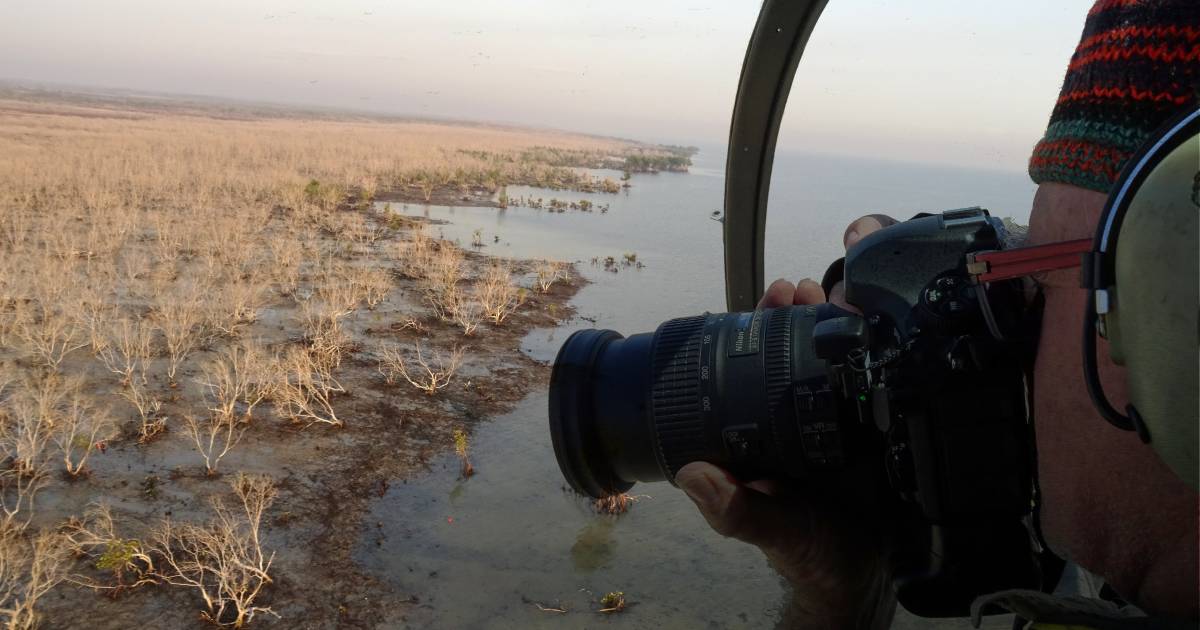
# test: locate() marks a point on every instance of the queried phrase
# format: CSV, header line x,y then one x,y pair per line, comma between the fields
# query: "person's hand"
x,y
835,562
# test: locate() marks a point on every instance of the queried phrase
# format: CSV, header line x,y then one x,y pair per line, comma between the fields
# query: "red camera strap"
x,y
1025,261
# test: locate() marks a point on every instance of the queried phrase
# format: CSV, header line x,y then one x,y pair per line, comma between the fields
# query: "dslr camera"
x,y
913,412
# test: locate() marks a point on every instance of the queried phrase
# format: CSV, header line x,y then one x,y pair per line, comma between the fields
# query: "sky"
x,y
940,81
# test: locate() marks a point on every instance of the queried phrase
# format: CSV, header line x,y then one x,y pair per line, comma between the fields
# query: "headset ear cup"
x,y
1153,325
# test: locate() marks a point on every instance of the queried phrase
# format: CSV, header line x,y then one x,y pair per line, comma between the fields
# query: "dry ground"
x,y
172,284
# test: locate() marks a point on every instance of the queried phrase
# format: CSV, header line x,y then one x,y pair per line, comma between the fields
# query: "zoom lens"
x,y
745,391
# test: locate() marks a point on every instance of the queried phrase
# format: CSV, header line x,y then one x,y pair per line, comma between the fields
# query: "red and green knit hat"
x,y
1137,64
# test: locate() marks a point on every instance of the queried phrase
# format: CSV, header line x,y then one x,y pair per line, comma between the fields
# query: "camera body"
x,y
944,371
913,414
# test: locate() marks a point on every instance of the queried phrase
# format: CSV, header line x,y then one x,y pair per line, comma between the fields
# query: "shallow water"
x,y
486,552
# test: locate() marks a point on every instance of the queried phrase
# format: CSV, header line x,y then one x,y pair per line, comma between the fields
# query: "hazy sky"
x,y
941,81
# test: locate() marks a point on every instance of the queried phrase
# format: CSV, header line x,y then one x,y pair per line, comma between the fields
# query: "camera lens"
x,y
742,390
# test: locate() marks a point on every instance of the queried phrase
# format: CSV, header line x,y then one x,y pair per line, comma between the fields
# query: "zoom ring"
x,y
675,398
778,370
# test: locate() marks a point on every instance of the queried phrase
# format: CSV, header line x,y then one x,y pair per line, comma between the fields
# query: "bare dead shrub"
x,y
13,311
446,265
305,388
134,269
285,256
337,296
372,284
15,226
55,281
428,372
410,323
213,437
549,272
23,462
260,379
441,298
415,255
179,317
80,429
328,345
94,538
367,187
236,305
328,196
168,239
439,282
29,568
334,224
210,266
466,311
222,560
327,339
17,492
28,423
361,231
498,295
338,290
107,234
131,360
232,236
125,347
51,332
43,407
239,374
95,314
151,422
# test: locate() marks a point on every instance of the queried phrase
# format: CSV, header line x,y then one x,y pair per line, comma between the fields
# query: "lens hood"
x,y
573,417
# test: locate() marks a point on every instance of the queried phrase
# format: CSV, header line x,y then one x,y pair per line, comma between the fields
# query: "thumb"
x,y
738,511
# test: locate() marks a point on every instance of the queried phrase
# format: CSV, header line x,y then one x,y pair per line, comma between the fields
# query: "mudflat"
x,y
216,349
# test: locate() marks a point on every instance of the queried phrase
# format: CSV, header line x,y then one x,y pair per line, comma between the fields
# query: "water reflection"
x,y
594,546
457,492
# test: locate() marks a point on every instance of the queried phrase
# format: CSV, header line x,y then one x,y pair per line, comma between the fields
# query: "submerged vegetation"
x,y
613,602
554,204
616,503
462,449
612,264
635,159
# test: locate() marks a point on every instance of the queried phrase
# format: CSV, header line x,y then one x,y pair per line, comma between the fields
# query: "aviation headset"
x,y
1144,295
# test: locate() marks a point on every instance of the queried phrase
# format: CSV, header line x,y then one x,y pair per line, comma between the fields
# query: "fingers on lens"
x,y
780,293
808,291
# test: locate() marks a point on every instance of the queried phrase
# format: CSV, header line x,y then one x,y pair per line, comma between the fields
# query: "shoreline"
x,y
441,196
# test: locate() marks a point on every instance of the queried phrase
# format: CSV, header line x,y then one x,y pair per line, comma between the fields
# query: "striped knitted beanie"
x,y
1137,64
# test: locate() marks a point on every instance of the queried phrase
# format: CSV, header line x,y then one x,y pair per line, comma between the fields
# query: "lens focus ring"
x,y
675,397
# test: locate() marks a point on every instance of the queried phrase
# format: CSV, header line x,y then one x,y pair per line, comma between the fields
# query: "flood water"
x,y
485,553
